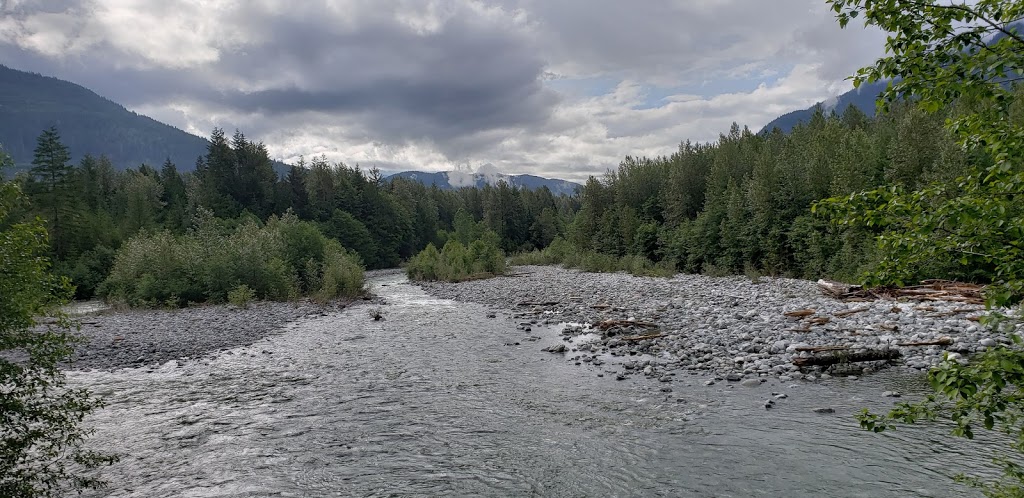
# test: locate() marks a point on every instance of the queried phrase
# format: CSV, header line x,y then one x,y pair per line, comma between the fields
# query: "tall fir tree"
x,y
52,170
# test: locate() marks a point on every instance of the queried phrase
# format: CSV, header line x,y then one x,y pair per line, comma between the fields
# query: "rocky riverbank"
x,y
133,338
732,327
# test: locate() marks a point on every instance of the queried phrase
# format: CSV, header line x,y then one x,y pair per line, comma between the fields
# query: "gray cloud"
x,y
466,74
434,83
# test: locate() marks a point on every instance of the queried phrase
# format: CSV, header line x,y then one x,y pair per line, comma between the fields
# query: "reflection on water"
x,y
433,401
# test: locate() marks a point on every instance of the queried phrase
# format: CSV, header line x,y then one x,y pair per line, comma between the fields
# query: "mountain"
x,y
862,98
87,123
458,179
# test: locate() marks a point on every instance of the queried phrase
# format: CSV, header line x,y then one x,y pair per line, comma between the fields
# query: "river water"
x,y
438,400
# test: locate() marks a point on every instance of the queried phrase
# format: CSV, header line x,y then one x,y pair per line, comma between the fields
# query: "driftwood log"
x,y
846,313
819,349
642,337
799,313
607,324
942,341
839,358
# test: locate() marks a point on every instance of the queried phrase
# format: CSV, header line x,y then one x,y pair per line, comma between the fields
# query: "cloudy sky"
x,y
558,88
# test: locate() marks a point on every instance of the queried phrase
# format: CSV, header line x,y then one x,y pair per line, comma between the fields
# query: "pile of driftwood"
x,y
928,290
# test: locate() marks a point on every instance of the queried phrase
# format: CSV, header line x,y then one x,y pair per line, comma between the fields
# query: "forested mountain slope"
x,y
88,124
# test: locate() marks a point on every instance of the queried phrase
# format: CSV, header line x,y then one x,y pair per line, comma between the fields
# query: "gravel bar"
x,y
730,327
133,338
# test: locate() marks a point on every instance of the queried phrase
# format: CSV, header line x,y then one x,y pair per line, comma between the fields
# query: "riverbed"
x,y
443,398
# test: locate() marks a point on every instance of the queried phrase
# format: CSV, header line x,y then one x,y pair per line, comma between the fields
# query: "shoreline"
x,y
134,338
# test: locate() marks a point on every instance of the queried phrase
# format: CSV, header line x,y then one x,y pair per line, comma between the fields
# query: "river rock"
x,y
558,348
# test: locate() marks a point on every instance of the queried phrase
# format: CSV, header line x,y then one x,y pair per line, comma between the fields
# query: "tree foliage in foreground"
x,y
41,452
967,54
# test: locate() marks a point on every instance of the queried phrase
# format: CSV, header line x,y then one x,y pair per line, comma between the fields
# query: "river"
x,y
439,400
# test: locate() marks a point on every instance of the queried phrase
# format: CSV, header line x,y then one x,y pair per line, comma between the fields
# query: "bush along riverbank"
x,y
730,328
283,259
456,262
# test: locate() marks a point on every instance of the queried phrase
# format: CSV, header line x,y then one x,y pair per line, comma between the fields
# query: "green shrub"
x,y
557,253
456,262
643,267
596,262
342,274
534,257
424,266
283,259
241,296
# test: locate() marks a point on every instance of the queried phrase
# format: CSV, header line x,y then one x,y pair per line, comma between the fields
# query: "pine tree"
x,y
52,169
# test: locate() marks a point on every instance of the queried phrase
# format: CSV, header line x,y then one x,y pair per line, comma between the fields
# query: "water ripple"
x,y
431,402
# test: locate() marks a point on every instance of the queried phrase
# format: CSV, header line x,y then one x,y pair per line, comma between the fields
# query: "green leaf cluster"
x,y
968,55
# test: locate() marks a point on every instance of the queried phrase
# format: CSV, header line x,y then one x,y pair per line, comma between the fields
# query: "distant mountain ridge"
x,y
862,98
458,179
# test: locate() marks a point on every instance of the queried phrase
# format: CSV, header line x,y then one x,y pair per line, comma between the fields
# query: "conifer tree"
x,y
51,168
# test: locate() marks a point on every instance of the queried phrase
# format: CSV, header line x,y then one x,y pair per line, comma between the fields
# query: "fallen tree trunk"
x,y
642,337
942,341
820,349
799,313
839,358
607,324
836,289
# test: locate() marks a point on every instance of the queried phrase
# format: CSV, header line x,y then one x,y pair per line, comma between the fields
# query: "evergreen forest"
x,y
742,204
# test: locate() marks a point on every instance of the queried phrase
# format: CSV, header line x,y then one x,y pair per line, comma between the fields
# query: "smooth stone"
x,y
750,383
